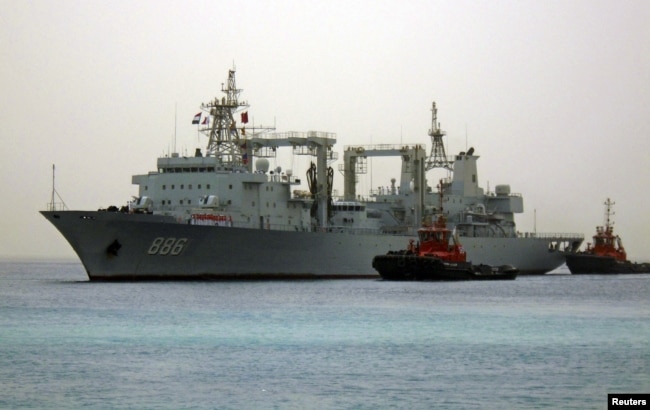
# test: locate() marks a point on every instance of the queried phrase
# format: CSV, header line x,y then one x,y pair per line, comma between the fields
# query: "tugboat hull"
x,y
595,264
400,266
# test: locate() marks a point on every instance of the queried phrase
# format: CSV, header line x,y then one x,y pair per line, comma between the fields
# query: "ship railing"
x,y
511,194
287,136
56,206
562,235
293,180
336,229
383,147
372,197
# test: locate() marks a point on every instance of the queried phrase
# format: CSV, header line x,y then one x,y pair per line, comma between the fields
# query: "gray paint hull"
x,y
149,247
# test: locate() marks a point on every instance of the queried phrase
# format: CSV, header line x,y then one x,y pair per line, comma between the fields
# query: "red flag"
x,y
244,117
205,121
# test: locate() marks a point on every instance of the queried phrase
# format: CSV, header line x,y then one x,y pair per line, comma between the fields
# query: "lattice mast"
x,y
437,157
226,141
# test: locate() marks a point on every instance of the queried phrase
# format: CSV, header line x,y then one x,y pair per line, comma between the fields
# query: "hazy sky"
x,y
553,95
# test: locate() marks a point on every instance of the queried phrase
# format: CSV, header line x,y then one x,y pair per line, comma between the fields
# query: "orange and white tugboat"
x,y
606,255
437,256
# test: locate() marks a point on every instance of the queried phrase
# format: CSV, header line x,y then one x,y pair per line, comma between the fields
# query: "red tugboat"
x,y
438,256
607,255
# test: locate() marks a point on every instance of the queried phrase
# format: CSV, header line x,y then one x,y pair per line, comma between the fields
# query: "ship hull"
x,y
594,264
399,266
119,246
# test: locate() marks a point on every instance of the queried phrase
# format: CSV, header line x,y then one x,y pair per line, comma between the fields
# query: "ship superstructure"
x,y
224,213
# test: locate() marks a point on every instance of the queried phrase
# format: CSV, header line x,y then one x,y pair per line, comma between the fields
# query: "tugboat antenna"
x,y
608,213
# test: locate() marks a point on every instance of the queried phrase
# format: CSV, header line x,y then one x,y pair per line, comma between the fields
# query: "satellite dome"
x,y
262,165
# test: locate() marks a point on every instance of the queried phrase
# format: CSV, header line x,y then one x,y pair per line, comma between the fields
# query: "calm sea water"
x,y
536,342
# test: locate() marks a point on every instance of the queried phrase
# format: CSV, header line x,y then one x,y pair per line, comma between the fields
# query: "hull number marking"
x,y
167,246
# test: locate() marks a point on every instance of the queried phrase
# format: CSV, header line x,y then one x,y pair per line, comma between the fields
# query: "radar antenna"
x,y
437,157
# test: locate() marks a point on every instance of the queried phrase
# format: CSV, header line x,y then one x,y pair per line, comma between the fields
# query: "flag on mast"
x,y
197,119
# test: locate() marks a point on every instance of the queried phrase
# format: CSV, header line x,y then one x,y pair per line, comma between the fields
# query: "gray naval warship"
x,y
215,216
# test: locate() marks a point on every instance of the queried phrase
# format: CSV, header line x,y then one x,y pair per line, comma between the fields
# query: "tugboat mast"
x,y
608,213
437,157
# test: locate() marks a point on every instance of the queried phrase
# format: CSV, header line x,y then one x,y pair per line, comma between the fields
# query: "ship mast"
x,y
53,205
608,213
226,142
437,157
